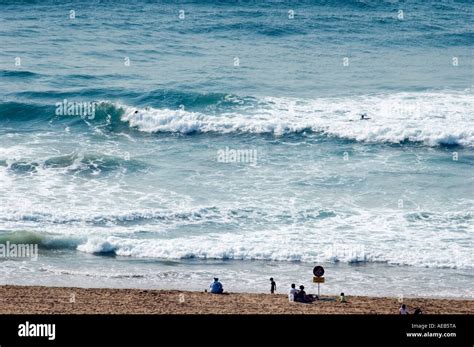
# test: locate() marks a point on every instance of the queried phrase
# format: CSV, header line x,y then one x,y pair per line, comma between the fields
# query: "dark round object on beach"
x,y
318,271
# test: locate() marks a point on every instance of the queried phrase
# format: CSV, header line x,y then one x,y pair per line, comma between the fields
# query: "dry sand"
x,y
56,300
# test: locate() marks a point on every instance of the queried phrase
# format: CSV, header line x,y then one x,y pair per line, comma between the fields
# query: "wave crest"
x,y
429,118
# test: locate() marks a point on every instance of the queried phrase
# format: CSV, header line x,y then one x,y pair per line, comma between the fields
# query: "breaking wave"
x,y
428,118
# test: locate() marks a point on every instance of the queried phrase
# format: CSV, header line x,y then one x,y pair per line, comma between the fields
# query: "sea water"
x,y
160,144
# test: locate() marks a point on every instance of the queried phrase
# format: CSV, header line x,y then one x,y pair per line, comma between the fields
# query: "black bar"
x,y
224,329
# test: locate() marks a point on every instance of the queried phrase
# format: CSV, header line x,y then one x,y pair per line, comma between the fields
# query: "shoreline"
x,y
73,300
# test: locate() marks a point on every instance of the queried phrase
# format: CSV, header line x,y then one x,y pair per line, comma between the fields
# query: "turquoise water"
x,y
226,141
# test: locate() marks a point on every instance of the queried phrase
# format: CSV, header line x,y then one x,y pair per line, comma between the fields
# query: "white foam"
x,y
431,118
293,245
96,245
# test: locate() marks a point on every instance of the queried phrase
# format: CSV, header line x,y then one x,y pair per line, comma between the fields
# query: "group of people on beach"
x,y
300,295
296,295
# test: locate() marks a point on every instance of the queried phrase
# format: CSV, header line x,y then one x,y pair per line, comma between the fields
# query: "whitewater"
x,y
429,118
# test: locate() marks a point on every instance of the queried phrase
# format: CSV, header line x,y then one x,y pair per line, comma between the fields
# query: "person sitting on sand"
x,y
292,293
302,297
216,287
418,311
403,309
299,295
273,285
342,298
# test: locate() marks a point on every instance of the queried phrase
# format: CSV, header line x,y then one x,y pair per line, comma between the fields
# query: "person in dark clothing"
x,y
301,295
273,285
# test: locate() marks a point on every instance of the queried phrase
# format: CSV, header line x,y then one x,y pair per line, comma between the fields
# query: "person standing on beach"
x,y
273,286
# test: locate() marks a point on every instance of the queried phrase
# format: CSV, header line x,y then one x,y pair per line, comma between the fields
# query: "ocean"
x,y
157,144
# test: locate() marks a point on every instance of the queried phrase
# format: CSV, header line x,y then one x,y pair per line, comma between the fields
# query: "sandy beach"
x,y
59,300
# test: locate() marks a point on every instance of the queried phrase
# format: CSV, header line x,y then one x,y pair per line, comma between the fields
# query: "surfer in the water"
x,y
363,116
146,108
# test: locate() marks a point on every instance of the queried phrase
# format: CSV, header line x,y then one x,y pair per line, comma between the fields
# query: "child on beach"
x,y
342,298
273,285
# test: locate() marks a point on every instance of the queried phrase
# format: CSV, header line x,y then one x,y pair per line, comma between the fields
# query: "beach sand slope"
x,y
57,300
